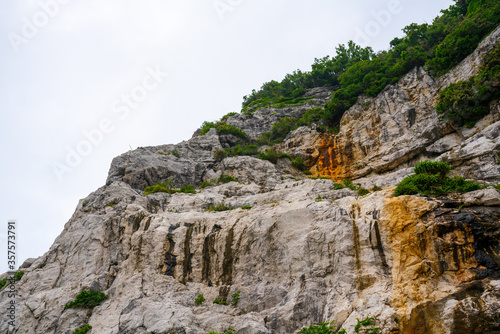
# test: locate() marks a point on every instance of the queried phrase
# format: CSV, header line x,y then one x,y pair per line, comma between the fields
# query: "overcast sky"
x,y
142,73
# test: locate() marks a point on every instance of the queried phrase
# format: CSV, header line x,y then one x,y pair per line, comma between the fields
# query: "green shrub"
x,y
240,149
3,282
85,203
82,330
220,302
235,298
87,299
220,154
163,187
226,116
199,300
176,153
188,189
223,129
246,207
18,275
362,191
298,163
210,183
271,155
428,184
376,188
338,186
220,207
227,178
348,184
439,168
228,331
365,323
307,172
321,328
112,203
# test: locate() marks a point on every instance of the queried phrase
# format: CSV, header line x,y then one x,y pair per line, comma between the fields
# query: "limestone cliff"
x,y
299,251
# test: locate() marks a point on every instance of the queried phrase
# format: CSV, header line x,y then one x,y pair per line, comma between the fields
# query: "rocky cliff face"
x,y
299,251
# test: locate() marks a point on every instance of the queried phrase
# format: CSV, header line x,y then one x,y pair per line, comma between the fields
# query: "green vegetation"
x,y
222,179
166,187
87,299
228,331
17,277
187,189
161,187
235,298
307,172
220,207
220,302
84,203
298,163
286,125
354,70
465,102
222,129
227,178
112,203
199,300
82,330
376,188
430,179
328,328
246,207
362,191
176,153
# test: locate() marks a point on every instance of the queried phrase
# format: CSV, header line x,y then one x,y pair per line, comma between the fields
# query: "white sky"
x,y
69,73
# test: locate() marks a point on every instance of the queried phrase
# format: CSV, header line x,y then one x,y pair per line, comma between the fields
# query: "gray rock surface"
x,y
487,197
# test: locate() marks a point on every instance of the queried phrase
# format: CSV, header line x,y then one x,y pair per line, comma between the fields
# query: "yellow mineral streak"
x,y
412,265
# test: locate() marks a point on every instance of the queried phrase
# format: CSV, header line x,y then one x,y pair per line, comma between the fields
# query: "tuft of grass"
x,y
199,300
187,189
376,188
17,277
84,204
112,203
226,179
235,298
87,299
161,187
246,207
362,191
82,330
220,302
219,207
307,172
228,331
